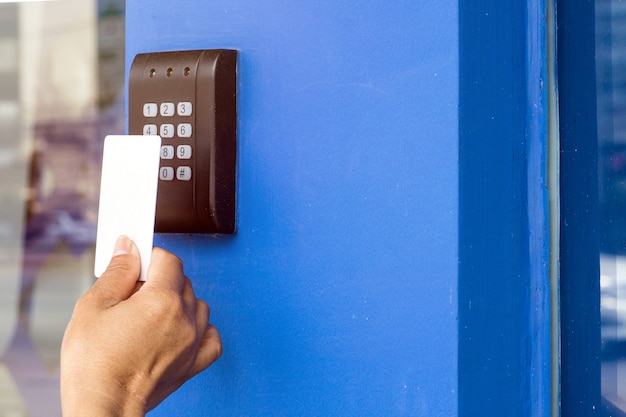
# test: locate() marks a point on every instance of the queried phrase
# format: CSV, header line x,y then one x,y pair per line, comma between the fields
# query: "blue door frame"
x,y
580,269
504,282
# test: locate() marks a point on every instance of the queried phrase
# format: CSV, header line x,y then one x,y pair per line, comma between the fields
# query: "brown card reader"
x,y
189,98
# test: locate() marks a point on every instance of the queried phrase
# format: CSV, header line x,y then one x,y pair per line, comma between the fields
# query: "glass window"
x,y
611,104
61,92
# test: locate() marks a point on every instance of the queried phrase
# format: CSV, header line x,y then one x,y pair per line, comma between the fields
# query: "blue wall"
x,y
338,294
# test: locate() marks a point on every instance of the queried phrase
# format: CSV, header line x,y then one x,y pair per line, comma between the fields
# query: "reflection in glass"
x,y
61,92
12,181
611,101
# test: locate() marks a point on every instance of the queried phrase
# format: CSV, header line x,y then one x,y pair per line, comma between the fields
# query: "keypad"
x,y
172,134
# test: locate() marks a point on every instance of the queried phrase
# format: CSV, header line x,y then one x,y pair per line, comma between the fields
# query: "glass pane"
x,y
61,91
611,99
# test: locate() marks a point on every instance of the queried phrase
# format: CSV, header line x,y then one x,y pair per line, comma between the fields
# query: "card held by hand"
x,y
128,189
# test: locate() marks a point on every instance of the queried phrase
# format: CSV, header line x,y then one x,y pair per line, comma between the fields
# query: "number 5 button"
x,y
167,131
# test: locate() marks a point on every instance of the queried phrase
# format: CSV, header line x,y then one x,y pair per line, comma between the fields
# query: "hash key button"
x,y
183,173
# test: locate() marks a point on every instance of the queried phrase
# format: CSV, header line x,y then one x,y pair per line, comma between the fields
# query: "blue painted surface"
x,y
338,295
580,269
504,306
539,233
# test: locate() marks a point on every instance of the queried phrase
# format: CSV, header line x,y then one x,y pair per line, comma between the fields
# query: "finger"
x,y
203,313
189,296
165,271
209,351
118,281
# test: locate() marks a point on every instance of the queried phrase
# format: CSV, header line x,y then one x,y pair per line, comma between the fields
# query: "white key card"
x,y
130,173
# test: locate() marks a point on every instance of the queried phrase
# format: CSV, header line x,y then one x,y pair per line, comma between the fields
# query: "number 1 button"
x,y
150,110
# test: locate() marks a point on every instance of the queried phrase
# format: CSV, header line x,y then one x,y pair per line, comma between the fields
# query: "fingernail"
x,y
123,246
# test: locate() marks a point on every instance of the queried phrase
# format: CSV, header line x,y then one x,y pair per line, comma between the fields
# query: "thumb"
x,y
117,282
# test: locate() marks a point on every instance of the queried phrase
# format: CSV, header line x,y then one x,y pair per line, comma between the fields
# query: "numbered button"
x,y
167,131
184,130
183,152
166,173
167,152
150,130
184,108
150,110
167,109
183,173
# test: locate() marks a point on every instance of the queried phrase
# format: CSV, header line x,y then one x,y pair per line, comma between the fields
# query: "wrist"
x,y
99,400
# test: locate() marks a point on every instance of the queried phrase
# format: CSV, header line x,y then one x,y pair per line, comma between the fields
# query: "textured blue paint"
x,y
504,310
539,324
338,295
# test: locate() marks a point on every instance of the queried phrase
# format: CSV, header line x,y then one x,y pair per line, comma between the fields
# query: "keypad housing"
x,y
189,99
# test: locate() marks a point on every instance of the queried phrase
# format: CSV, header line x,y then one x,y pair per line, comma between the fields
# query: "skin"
x,y
130,344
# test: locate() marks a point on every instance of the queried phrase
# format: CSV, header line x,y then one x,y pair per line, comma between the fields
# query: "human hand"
x,y
131,344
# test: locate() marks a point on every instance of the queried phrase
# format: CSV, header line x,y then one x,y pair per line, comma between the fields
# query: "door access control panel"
x,y
189,98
